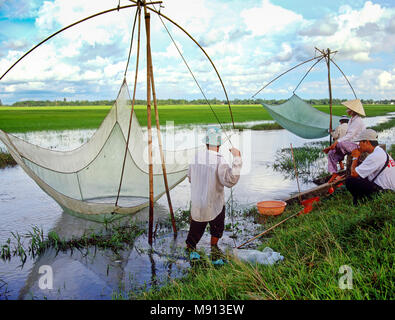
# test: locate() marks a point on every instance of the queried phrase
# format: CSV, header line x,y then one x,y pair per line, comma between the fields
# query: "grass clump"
x,y
306,158
6,160
314,247
115,239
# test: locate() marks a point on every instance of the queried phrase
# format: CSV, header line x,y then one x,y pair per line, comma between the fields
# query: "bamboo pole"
x,y
328,63
150,167
266,231
162,157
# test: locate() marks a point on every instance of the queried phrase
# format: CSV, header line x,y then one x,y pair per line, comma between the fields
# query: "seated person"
x,y
341,129
345,145
375,173
340,132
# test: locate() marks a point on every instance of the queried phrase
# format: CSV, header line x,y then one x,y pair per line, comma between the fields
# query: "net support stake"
x,y
162,157
150,166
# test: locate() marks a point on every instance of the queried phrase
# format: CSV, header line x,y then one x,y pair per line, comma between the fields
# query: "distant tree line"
x,y
64,102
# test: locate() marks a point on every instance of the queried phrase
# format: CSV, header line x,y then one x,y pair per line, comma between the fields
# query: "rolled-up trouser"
x,y
337,154
197,228
361,188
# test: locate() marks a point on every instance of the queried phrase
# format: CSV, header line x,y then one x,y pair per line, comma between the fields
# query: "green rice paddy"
x,y
25,119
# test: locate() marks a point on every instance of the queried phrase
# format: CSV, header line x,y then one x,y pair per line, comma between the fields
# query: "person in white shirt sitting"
x,y
209,174
345,145
375,173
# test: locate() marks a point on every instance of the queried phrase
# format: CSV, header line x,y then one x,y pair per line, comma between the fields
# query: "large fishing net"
x,y
302,119
86,181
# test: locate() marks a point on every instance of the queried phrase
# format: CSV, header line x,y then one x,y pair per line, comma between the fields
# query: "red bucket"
x,y
271,208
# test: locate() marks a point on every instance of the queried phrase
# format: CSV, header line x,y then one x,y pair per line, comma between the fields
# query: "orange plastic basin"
x,y
271,208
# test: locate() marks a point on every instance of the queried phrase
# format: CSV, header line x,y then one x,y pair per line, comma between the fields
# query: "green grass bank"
x,y
25,119
315,246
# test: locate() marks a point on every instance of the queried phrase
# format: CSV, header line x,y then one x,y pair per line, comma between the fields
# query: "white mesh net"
x,y
86,180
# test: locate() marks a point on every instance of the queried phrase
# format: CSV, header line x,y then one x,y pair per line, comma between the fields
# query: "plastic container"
x,y
267,256
271,208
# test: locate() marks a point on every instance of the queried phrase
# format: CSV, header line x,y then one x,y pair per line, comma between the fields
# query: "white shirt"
x,y
208,175
340,131
354,128
372,166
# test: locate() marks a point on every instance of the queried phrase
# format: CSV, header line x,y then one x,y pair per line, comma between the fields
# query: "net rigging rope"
x,y
138,11
193,76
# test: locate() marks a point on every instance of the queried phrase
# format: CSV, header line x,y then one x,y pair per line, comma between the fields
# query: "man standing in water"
x,y
208,175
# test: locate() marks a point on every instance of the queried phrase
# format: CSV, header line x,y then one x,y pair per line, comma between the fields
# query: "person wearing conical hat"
x,y
376,173
346,144
208,174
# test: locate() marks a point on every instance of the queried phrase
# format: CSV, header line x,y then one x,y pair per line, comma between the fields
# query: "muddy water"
x,y
102,274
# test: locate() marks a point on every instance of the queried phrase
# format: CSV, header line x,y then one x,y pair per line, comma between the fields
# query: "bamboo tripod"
x,y
324,54
150,92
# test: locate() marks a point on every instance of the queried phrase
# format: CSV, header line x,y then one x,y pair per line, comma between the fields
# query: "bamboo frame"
x,y
328,62
150,165
138,15
162,157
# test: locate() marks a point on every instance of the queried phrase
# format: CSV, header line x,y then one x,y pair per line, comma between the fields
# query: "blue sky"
x,y
250,42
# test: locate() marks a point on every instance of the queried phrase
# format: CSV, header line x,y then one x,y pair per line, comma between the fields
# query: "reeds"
x,y
116,239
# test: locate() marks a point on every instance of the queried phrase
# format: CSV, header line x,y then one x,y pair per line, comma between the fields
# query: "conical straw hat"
x,y
355,105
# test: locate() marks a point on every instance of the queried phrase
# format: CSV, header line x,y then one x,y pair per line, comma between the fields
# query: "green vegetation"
x,y
115,239
385,125
25,119
6,160
306,161
391,151
314,247
261,126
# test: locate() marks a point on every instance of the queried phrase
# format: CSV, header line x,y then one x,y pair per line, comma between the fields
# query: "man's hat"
x,y
213,136
355,105
368,134
344,118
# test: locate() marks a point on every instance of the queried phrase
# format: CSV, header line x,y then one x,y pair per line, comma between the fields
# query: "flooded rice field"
x,y
93,273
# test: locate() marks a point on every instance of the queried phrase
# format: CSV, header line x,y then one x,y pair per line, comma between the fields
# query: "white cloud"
x,y
269,19
359,33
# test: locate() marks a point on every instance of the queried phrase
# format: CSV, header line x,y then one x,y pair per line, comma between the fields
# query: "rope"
x,y
63,29
193,76
308,71
344,77
294,67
